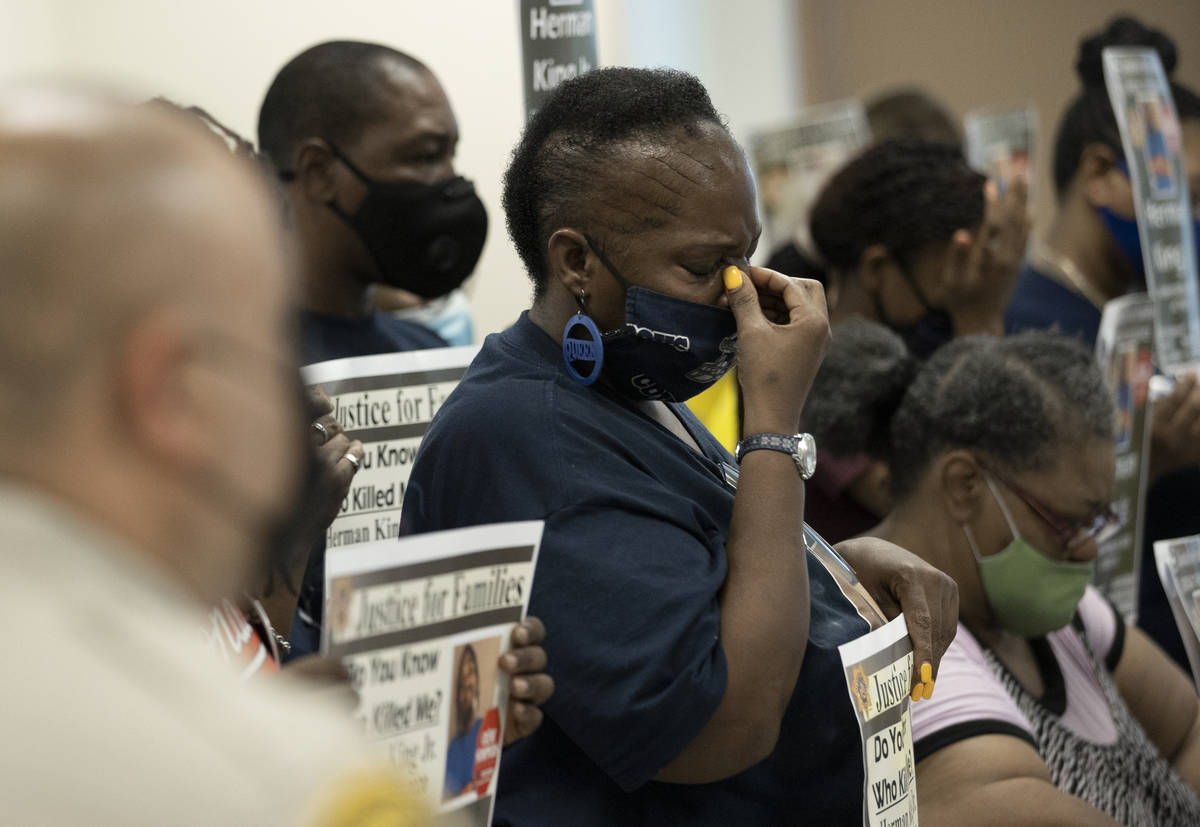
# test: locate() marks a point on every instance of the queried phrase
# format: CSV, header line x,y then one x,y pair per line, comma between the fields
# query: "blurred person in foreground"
x,y
145,463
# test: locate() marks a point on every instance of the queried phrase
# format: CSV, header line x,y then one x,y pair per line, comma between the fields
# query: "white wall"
x,y
222,54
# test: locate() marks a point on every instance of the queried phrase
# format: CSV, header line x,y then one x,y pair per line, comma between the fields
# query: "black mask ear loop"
x,y
911,281
608,265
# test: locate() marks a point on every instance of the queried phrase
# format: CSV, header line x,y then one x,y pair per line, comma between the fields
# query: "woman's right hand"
x,y
783,333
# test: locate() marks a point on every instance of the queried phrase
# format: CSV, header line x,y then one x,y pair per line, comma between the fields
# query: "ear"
x,y
569,260
962,483
874,263
156,398
315,169
1098,178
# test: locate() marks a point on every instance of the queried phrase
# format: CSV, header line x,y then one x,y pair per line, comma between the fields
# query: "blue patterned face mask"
x,y
669,349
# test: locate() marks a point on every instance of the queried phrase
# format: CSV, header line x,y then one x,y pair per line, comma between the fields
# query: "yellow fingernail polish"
x,y
733,278
917,692
926,672
928,690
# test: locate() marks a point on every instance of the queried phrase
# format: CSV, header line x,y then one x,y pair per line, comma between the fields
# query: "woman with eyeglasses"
x,y
1049,710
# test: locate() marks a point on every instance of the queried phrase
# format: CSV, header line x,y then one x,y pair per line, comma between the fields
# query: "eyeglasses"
x,y
1070,533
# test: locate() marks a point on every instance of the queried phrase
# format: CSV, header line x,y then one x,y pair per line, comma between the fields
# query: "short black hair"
x,y
909,113
567,147
327,91
1018,401
901,194
1089,118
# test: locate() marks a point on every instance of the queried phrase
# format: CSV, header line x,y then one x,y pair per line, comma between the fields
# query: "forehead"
x,y
1081,479
697,181
406,102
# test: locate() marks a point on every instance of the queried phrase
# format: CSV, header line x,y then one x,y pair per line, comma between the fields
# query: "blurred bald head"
x,y
144,329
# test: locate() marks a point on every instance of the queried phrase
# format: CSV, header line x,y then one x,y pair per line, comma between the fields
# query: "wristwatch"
x,y
802,448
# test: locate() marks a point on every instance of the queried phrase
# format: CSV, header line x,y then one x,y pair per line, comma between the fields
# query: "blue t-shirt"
x,y
460,761
1041,303
628,583
324,337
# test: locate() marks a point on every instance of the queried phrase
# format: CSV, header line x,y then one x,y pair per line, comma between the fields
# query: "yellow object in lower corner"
x,y
717,408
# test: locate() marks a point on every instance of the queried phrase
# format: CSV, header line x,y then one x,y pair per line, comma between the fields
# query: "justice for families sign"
x,y
1153,160
420,625
387,401
879,668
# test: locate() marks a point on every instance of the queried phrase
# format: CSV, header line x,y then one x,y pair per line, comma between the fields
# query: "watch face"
x,y
806,455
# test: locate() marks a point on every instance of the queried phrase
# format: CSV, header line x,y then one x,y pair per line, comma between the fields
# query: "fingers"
x,y
1186,408
528,632
319,402
523,720
931,624
743,298
534,689
523,660
341,470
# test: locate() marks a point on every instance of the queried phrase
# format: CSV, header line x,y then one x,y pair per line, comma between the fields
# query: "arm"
x,y
995,780
1163,700
764,602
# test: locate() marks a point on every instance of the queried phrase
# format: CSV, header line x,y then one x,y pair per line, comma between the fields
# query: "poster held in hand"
x,y
420,624
1000,143
1178,564
387,402
1123,348
879,669
1153,159
793,162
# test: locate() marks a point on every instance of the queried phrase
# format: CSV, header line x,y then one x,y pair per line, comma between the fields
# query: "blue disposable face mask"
x,y
1124,232
668,349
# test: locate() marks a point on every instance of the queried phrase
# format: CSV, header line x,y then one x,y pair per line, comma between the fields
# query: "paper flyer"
x,y
879,668
1123,348
793,162
1000,142
387,401
1141,99
420,624
1178,564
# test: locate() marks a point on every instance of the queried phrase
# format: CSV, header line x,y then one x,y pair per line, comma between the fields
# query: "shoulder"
x,y
1041,303
969,700
408,335
1103,627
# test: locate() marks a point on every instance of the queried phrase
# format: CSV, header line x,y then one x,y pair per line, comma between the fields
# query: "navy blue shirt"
x,y
628,583
324,337
1041,303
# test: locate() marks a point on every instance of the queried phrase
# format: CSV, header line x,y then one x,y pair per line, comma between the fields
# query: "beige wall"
x,y
222,54
974,52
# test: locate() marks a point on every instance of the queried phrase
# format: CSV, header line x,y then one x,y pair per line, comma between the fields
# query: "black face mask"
x,y
668,349
928,333
424,238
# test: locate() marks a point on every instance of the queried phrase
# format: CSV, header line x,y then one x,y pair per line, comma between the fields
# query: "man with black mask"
x,y
364,138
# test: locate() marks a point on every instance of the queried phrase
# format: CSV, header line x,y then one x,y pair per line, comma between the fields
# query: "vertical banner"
x,y
1000,142
420,625
558,42
1141,99
793,162
879,668
1178,563
387,401
1123,348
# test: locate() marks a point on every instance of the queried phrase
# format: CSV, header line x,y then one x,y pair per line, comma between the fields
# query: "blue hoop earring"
x,y
582,350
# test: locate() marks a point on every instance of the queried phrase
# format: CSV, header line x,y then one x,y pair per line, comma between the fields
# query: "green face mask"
x,y
1029,593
